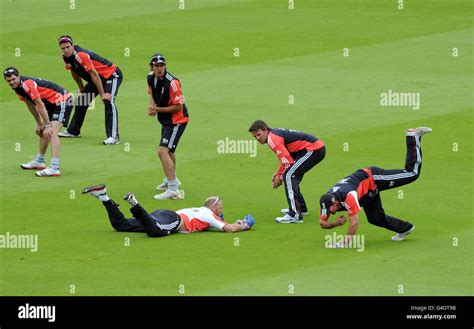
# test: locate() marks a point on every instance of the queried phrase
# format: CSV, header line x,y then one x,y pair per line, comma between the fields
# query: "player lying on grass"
x,y
50,105
362,190
165,222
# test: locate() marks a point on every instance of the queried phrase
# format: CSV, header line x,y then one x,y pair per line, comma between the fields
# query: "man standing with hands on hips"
x,y
167,103
103,78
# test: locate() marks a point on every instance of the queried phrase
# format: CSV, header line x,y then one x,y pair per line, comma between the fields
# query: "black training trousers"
x,y
162,223
293,176
111,86
388,179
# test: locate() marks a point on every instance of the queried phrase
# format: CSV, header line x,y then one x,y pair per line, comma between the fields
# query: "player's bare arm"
x,y
41,110
78,80
168,109
151,107
234,227
276,181
329,225
98,84
353,226
39,125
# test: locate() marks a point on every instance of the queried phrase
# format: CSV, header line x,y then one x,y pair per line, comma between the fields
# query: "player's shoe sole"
x,y
93,188
26,167
419,131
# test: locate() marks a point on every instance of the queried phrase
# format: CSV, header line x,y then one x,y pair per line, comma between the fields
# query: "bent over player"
x,y
362,190
103,78
298,152
50,105
165,222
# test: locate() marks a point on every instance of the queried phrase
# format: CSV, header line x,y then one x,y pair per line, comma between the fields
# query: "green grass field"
x,y
283,53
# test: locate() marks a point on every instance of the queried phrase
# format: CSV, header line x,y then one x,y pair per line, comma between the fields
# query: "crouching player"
x,y
362,190
165,222
50,105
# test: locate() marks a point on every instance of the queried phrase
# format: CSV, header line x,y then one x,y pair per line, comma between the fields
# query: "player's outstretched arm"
x,y
240,225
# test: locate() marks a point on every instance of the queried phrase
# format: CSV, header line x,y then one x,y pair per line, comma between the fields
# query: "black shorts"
x,y
166,222
170,135
60,112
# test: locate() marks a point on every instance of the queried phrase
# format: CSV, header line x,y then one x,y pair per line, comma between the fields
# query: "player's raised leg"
x,y
116,217
388,179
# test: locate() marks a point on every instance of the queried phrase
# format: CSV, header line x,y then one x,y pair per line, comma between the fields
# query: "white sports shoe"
x,y
33,165
420,131
402,236
66,133
110,141
288,220
48,172
95,190
286,211
170,195
164,185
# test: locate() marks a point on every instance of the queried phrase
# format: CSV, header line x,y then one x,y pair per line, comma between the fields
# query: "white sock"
x,y
132,201
54,163
40,158
173,185
104,197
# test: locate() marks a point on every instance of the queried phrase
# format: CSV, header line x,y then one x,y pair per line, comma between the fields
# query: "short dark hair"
x,y
258,125
9,71
64,39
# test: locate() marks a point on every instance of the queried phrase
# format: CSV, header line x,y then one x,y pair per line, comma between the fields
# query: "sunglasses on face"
x,y
65,39
9,71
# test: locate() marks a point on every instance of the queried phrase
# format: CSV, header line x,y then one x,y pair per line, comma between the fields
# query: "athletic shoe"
x,y
164,185
420,131
33,165
288,220
110,141
286,211
402,236
130,198
66,133
170,195
95,190
48,172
